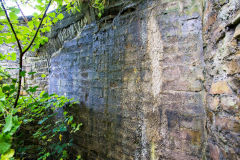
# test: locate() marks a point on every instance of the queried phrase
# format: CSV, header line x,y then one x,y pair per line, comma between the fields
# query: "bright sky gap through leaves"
x,y
27,9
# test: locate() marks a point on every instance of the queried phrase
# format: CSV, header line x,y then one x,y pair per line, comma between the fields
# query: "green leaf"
x,y
78,127
63,128
9,123
23,73
12,56
16,125
35,14
39,7
45,95
2,57
42,93
1,107
43,75
53,14
33,89
8,155
31,73
6,88
43,120
31,25
15,10
55,20
5,143
2,96
13,16
1,27
2,12
60,16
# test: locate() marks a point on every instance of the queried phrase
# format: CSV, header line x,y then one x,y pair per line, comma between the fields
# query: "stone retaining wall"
x,y
155,79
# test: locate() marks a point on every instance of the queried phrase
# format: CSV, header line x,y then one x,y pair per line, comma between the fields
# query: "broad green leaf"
x,y
2,96
2,13
39,7
9,123
35,14
60,16
55,20
6,88
8,155
1,107
31,25
41,94
16,125
5,143
33,89
45,95
15,10
13,16
31,73
53,14
2,57
1,27
23,73
43,75
14,56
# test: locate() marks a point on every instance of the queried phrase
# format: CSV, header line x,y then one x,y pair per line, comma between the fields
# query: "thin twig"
x,y
10,23
37,29
24,17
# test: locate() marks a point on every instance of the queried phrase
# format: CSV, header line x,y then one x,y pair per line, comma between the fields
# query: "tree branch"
x,y
20,48
20,57
10,23
30,44
24,17
22,54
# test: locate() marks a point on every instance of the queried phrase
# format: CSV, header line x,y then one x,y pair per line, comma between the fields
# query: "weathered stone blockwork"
x,y
140,77
156,79
221,54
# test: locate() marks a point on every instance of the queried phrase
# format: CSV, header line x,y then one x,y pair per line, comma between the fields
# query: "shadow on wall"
x,y
97,131
91,68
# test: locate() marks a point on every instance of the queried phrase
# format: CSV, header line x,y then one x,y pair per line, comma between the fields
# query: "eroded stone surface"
x,y
155,79
222,75
220,87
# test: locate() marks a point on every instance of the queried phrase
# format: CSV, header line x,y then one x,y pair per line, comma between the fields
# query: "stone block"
x,y
193,136
213,103
220,87
230,103
237,32
233,67
184,102
227,124
214,152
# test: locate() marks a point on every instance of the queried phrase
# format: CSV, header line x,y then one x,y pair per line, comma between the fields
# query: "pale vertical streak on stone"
x,y
150,133
155,50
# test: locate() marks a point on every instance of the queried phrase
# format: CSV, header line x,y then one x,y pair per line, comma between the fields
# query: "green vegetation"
x,y
31,127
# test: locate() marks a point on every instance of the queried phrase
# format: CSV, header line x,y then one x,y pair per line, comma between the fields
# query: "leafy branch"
x,y
20,47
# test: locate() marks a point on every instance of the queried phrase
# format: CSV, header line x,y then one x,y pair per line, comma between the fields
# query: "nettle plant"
x,y
31,127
